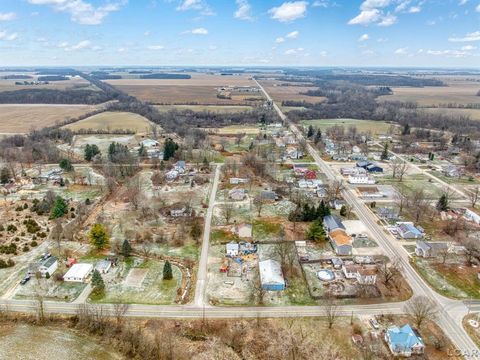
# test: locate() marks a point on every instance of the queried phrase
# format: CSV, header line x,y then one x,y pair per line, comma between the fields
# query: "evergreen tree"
x,y
91,151
343,211
318,137
59,208
316,232
126,248
167,271
196,231
169,149
98,284
98,236
406,130
442,204
384,155
5,175
142,152
66,165
310,132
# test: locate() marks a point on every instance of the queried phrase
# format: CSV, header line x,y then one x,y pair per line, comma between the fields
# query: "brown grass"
x,y
25,117
9,85
283,93
196,80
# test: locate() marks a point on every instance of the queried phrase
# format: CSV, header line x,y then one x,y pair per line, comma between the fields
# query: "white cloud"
x,y
8,37
289,11
63,45
462,2
401,51
121,50
449,53
468,48
374,4
293,34
364,37
80,11
147,33
474,36
414,9
373,12
280,40
366,17
294,51
199,5
244,10
7,16
388,20
197,31
85,44
155,47
323,53
321,3
477,9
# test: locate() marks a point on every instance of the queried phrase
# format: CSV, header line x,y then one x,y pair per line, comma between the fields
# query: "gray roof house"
x,y
429,249
331,222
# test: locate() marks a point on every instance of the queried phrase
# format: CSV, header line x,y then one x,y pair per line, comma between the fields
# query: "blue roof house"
x,y
404,341
374,168
408,231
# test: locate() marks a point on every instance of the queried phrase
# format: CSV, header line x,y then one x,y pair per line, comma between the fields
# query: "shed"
x,y
78,273
271,275
103,266
48,266
232,249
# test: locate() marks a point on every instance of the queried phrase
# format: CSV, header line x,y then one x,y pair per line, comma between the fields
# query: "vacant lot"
x,y
455,92
226,109
22,118
113,121
376,127
279,92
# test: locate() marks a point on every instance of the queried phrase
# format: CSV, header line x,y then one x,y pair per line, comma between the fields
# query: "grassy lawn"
x,y
455,180
449,280
151,290
376,127
265,229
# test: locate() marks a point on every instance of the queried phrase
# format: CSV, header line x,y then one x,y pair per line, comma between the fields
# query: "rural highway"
x,y
200,289
451,311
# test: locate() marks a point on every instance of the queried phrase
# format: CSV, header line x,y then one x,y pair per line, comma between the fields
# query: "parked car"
x,y
25,280
374,323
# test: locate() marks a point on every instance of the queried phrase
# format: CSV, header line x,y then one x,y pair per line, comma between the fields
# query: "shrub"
x,y
11,228
25,248
42,235
2,228
32,226
33,243
5,264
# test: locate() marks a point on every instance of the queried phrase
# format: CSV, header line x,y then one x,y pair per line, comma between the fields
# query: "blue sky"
x,y
427,33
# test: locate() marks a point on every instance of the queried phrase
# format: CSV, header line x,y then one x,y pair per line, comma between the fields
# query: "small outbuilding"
x,y
103,266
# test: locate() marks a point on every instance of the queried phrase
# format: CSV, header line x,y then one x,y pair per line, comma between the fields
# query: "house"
x,y
48,266
103,266
78,273
361,179
300,169
452,171
352,171
404,341
322,192
180,211
171,175
356,150
237,194
243,231
363,164
427,249
374,168
337,263
149,143
387,213
247,248
236,181
364,274
332,222
310,175
341,242
408,231
269,195
337,204
180,166
232,249
271,276
358,157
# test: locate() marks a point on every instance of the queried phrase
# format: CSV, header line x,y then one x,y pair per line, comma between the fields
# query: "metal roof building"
x,y
271,275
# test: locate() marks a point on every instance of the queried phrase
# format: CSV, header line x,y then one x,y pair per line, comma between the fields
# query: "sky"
x,y
409,33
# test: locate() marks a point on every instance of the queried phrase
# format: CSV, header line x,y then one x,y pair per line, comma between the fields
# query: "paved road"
x,y
200,289
452,311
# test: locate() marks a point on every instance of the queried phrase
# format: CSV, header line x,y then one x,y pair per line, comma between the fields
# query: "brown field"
x,y
283,93
200,89
24,117
460,90
9,85
113,121
473,113
230,109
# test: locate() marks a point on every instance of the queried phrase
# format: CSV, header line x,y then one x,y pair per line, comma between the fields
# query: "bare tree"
x,y
472,250
421,308
473,195
418,204
399,168
330,310
258,202
401,201
335,189
389,271
227,210
119,312
443,253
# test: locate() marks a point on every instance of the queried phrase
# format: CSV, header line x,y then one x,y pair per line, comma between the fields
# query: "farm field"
x,y
376,127
237,129
455,92
226,109
76,82
473,113
22,118
113,121
196,80
283,93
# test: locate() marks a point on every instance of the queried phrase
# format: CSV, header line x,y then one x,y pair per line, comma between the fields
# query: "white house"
x,y
232,249
150,143
236,181
237,194
361,179
78,273
471,216
48,266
